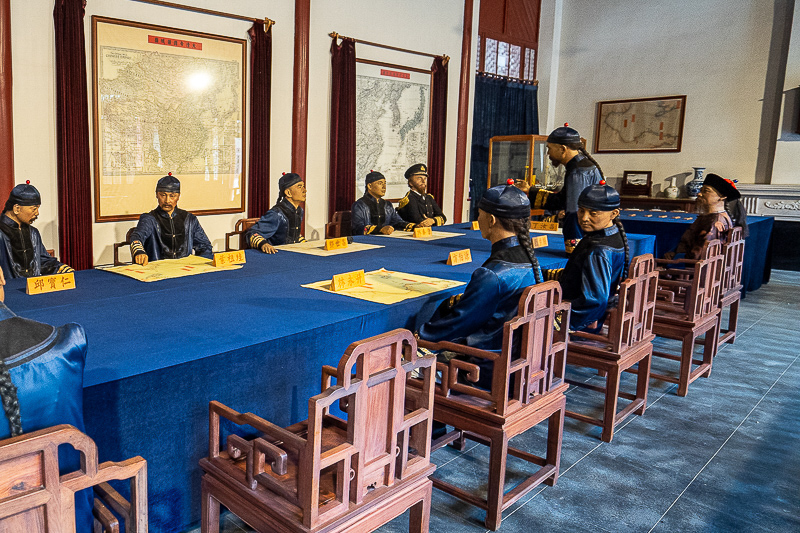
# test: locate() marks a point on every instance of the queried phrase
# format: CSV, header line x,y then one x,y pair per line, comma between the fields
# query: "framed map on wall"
x,y
392,110
166,100
640,125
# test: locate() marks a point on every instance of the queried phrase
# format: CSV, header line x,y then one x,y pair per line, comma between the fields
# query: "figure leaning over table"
x,y
281,224
417,205
22,254
491,298
599,262
371,214
564,147
167,232
713,222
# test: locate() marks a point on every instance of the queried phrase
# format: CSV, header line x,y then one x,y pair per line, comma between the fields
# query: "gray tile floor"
x,y
724,458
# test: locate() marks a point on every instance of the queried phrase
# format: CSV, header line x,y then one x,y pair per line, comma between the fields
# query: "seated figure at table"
x,y
564,147
282,223
371,214
417,205
599,262
22,254
712,222
167,232
491,298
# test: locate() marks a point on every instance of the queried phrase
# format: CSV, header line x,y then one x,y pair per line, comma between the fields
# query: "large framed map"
x,y
392,110
166,100
640,125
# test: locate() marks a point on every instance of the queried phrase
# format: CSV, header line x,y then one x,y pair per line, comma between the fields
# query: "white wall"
x,y
786,169
434,27
714,52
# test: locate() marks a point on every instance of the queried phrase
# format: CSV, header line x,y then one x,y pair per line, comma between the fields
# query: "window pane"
x,y
490,62
532,65
513,68
502,58
478,55
526,73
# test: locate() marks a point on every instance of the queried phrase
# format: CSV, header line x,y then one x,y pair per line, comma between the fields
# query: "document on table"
x,y
397,234
318,248
389,287
169,268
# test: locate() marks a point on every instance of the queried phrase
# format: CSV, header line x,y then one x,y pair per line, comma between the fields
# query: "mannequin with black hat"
x,y
491,298
167,232
713,221
564,147
417,205
599,262
371,214
22,254
282,224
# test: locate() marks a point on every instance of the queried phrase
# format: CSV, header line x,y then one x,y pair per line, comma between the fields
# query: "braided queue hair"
x,y
627,262
579,147
521,228
8,393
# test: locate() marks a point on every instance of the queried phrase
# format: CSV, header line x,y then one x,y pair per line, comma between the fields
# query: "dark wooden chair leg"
x,y
555,430
610,408
687,353
420,514
643,381
209,520
497,479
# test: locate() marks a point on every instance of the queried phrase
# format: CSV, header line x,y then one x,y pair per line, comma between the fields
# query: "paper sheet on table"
x,y
169,268
397,234
389,287
318,248
548,231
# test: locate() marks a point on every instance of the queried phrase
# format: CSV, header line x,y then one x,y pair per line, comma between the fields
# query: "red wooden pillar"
x,y
463,111
302,23
6,104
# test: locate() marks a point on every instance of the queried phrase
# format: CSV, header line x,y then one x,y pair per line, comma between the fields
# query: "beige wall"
x,y
786,169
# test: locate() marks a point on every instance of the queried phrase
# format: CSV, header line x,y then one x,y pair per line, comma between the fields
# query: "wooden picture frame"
x,y
167,100
636,183
640,125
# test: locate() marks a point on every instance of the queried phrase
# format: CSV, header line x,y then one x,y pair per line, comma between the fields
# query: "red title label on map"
x,y
178,43
395,74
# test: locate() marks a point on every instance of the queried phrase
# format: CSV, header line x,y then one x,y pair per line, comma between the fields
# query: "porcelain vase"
x,y
694,186
671,191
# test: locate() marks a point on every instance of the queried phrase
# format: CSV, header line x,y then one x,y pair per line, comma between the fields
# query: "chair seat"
x,y
603,350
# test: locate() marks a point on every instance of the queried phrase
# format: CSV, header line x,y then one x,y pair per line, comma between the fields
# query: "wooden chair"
x,y
527,388
33,498
327,473
687,307
732,283
626,340
118,245
242,225
339,226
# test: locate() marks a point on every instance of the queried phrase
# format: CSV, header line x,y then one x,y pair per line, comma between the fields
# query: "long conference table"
x,y
251,338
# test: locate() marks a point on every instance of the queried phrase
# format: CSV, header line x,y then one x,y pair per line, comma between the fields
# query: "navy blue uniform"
x,y
591,277
279,225
415,207
370,214
162,236
22,254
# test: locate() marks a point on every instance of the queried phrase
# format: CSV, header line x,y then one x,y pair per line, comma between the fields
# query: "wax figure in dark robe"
x,y
417,205
167,232
713,222
599,262
282,224
491,298
564,147
371,214
22,254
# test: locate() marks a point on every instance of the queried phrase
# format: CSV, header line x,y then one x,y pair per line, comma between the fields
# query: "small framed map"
x,y
640,125
636,182
166,100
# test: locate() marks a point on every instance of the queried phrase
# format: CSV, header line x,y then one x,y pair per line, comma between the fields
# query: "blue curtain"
x,y
502,107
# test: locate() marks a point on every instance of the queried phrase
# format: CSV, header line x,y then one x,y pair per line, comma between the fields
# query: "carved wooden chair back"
x,y
118,245
241,226
707,281
339,226
631,321
34,498
734,262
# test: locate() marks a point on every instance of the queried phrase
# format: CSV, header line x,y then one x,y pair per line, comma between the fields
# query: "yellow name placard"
x,y
475,225
539,242
336,244
348,280
56,282
545,226
235,257
422,232
459,257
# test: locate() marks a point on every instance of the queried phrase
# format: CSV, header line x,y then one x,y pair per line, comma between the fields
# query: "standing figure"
x,y
22,254
282,224
371,214
417,205
167,232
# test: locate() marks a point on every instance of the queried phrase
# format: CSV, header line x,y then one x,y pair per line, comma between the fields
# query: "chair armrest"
x,y
228,239
676,261
589,336
674,283
458,348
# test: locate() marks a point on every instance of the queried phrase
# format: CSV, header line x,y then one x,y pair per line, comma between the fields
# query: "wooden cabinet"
x,y
520,157
650,202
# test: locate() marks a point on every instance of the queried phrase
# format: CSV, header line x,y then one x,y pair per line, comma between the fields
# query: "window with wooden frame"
x,y
508,37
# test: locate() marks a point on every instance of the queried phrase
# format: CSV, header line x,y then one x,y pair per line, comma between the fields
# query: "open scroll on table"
x,y
318,248
408,235
388,287
169,268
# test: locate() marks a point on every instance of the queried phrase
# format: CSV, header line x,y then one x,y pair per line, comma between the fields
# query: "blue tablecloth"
x,y
668,227
251,338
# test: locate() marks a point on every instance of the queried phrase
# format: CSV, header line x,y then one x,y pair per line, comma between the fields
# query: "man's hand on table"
x,y
426,223
267,248
387,230
141,259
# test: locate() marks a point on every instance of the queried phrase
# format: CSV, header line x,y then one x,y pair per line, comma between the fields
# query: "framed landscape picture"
x,y
166,100
640,125
636,182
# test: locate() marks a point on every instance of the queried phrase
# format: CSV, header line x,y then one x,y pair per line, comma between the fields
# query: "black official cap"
x,y
724,187
287,180
599,197
419,168
168,183
506,201
24,194
373,176
564,135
